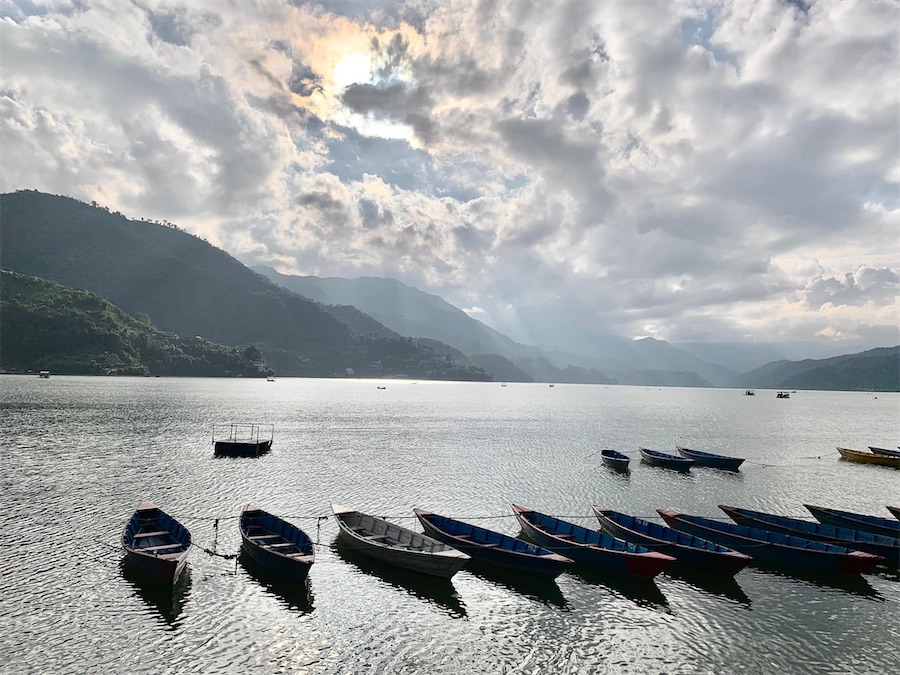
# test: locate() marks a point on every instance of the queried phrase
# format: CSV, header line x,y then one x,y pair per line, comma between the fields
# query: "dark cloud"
x,y
395,102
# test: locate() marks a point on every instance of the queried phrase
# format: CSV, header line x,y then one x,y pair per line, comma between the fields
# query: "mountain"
x,y
872,370
45,326
190,288
412,312
404,309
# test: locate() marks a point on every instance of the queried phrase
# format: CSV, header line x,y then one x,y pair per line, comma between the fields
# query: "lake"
x,y
81,452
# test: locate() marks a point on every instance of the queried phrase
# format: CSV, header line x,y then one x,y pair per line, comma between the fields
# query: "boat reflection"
x,y
545,591
168,600
642,592
433,589
297,596
855,584
712,584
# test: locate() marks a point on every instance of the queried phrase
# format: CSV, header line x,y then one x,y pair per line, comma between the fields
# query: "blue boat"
x,y
590,547
710,459
886,547
885,452
683,547
156,544
855,521
774,547
494,548
657,458
615,459
277,545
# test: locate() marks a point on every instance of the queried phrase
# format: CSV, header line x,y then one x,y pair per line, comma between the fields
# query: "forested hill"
x,y
872,370
45,326
188,287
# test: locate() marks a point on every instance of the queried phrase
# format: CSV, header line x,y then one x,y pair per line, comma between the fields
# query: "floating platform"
x,y
238,439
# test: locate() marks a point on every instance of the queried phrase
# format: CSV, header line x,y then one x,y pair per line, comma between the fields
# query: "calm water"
x,y
79,453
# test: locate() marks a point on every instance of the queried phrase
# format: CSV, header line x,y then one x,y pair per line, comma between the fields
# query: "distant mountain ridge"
x,y
871,370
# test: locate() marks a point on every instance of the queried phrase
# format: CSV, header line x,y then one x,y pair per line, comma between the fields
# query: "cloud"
x,y
703,170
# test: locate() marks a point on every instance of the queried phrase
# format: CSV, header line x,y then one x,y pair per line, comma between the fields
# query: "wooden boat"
x,y
237,439
774,547
397,545
615,459
869,458
783,394
709,459
494,548
156,544
895,511
276,544
887,547
855,521
44,374
590,547
683,547
749,392
885,451
657,458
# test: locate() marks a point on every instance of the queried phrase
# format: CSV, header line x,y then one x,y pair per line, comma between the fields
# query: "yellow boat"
x,y
869,458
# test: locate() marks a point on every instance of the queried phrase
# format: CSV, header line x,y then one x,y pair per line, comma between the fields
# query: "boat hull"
x,y
406,548
275,544
689,552
711,460
886,547
156,544
590,548
615,460
885,452
241,449
666,461
774,547
895,511
492,553
869,458
855,521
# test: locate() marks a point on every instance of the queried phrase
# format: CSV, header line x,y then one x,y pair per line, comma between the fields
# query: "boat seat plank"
x,y
260,537
376,537
493,545
158,533
282,544
154,549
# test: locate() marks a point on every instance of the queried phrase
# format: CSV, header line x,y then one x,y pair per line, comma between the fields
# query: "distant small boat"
x,y
895,511
887,547
44,374
494,548
242,439
782,394
503,385
270,378
590,547
662,459
774,547
156,544
855,521
276,544
869,458
381,387
709,459
885,451
551,385
682,546
615,459
749,392
396,545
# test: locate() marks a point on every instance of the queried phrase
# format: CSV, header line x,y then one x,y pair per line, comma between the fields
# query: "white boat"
x,y
396,545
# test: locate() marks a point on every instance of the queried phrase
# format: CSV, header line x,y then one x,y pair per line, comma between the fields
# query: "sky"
x,y
692,171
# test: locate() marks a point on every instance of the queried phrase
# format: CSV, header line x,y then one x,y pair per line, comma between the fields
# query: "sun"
x,y
355,68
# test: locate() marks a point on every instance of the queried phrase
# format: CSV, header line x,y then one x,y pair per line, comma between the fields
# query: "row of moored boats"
x,y
880,456
840,542
686,458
